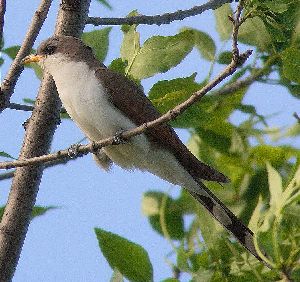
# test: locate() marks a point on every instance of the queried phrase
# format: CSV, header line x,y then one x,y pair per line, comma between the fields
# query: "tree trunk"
x,y
39,133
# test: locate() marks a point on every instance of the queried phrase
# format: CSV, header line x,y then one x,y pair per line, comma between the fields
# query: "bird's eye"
x,y
50,49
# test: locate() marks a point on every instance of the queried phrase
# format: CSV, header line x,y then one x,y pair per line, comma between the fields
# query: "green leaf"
x,y
204,43
166,94
98,40
223,24
37,70
159,54
129,258
105,4
275,184
217,140
182,259
170,280
276,155
29,101
37,211
118,65
204,275
153,204
214,237
131,41
280,198
11,51
225,58
276,6
6,155
254,32
291,64
1,61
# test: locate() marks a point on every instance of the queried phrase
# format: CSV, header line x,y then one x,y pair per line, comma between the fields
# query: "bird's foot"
x,y
118,138
73,151
94,148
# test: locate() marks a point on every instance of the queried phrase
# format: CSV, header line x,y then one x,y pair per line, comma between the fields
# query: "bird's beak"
x,y
32,59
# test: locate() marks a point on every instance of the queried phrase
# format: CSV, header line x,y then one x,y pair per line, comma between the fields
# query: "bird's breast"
x,y
86,101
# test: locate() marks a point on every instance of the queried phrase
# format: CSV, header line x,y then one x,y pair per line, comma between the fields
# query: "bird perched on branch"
x,y
103,103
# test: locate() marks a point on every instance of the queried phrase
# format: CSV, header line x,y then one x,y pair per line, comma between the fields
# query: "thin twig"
x,y
296,116
20,107
2,13
27,108
10,174
159,19
8,84
258,73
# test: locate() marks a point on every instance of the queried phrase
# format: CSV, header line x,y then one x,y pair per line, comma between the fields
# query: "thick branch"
x,y
9,82
159,19
39,133
2,13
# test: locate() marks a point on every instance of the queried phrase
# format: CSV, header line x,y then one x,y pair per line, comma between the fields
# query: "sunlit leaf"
x,y
159,54
131,41
223,24
291,64
6,155
163,210
37,211
254,32
11,51
98,40
106,4
131,260
204,43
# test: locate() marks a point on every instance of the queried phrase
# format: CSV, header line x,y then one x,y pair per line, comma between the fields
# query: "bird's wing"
x,y
131,100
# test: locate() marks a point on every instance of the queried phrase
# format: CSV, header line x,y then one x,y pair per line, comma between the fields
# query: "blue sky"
x,y
61,246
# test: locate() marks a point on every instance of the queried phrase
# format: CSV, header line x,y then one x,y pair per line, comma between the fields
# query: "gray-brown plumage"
x,y
103,102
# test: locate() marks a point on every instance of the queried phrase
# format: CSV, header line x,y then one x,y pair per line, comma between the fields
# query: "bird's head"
x,y
58,49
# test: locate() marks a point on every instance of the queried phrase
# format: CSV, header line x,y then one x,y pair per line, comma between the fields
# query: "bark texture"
x,y
39,132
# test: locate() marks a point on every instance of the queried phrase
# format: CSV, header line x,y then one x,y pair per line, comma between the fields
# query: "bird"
x,y
103,103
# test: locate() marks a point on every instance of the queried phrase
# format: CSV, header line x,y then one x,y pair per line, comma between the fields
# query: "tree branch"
x,y
159,19
258,73
10,174
27,108
2,13
80,150
39,132
9,82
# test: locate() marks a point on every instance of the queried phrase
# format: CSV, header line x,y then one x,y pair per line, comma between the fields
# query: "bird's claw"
x,y
73,151
118,138
94,148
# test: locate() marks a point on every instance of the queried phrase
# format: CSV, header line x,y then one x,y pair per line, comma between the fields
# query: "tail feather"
x,y
224,216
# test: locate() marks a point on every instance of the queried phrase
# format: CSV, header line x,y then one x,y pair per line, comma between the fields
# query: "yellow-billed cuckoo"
x,y
103,103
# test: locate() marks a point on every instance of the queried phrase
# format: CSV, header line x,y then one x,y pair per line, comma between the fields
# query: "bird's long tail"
x,y
224,216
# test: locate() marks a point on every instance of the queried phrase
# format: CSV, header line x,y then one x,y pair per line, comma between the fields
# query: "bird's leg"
x,y
73,151
94,148
118,139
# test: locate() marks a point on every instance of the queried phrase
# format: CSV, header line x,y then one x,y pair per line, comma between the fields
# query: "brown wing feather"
x,y
130,99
